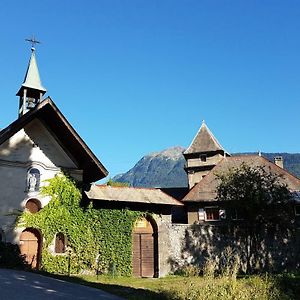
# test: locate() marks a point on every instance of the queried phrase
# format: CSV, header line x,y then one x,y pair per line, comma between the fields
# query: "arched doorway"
x,y
30,246
144,248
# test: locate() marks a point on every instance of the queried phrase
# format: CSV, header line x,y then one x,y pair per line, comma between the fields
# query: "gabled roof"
x,y
32,77
205,190
51,117
204,141
130,195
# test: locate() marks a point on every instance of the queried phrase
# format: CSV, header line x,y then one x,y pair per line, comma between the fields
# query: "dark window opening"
x,y
60,243
203,157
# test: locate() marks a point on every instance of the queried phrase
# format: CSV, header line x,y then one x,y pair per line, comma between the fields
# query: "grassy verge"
x,y
195,288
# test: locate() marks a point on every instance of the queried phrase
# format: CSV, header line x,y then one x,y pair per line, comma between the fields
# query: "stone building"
x,y
214,226
205,159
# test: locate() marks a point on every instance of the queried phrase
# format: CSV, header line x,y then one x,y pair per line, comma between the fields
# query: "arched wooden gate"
x,y
144,254
30,246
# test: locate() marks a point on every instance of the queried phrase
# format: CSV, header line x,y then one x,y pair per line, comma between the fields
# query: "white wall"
x,y
33,146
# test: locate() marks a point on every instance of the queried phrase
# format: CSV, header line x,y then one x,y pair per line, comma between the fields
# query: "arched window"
x,y
33,180
60,243
33,205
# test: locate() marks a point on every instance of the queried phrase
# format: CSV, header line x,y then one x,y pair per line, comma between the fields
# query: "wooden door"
x,y
143,259
30,247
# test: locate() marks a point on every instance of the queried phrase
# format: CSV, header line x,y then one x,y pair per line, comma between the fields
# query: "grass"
x,y
194,288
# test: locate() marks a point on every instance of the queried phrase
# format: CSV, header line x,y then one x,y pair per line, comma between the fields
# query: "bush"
x,y
188,271
254,288
10,256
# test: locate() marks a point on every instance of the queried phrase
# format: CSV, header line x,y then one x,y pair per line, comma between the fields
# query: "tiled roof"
x,y
204,141
130,194
205,190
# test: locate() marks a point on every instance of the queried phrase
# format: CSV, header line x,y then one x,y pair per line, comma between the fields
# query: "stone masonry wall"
x,y
195,244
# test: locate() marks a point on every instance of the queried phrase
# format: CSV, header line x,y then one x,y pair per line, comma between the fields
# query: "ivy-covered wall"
x,y
91,233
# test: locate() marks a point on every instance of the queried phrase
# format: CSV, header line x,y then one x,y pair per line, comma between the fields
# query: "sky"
x,y
138,76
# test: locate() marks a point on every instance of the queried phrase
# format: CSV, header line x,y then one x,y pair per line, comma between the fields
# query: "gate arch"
x,y
30,246
144,248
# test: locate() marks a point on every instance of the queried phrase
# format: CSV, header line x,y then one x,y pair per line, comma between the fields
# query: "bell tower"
x,y
31,90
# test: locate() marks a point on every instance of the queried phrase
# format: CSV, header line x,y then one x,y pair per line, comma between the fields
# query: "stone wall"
x,y
275,250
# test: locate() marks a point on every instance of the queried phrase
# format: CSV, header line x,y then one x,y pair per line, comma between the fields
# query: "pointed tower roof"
x,y
204,141
32,77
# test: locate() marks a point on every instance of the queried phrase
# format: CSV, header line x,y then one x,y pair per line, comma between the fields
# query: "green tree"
x,y
110,182
262,198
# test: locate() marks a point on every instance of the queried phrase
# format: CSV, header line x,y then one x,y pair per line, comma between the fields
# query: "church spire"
x,y
32,90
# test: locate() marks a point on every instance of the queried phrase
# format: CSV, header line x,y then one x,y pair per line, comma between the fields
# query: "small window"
x,y
60,243
33,180
212,214
203,157
297,209
33,205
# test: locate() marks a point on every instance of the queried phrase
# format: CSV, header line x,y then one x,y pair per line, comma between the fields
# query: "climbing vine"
x,y
103,234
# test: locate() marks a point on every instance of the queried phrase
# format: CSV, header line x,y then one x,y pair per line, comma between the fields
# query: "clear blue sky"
x,y
139,76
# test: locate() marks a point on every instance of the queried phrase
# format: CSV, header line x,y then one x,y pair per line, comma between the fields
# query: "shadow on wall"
x,y
270,249
15,160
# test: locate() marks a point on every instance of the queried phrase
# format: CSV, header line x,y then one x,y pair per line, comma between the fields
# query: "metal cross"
x,y
33,41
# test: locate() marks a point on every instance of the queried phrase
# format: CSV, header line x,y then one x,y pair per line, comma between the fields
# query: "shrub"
x,y
10,256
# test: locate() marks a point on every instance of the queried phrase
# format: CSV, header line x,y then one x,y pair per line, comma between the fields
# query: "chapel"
x,y
39,144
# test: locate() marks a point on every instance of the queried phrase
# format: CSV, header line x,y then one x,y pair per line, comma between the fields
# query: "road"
x,y
25,285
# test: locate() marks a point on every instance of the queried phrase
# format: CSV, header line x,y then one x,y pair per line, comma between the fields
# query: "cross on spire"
x,y
33,41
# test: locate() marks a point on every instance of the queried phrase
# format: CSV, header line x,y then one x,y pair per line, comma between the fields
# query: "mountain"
x,y
158,169
166,168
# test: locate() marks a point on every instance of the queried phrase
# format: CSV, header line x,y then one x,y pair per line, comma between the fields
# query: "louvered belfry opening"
x,y
144,249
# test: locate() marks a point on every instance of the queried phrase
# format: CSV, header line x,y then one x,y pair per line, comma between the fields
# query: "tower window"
x,y
203,157
33,180
60,243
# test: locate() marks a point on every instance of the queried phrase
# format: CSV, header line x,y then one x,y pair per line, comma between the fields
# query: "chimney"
x,y
278,160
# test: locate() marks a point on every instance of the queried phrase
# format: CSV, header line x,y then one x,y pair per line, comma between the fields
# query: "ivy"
x,y
91,233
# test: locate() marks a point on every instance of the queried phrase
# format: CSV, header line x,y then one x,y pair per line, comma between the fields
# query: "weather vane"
x,y
33,41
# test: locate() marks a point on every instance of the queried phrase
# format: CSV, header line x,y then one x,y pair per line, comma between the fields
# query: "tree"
x,y
110,182
261,196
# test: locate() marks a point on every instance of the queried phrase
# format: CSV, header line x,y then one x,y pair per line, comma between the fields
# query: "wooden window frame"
x,y
212,208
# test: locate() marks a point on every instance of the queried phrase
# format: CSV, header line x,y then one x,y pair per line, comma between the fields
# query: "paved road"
x,y
24,285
